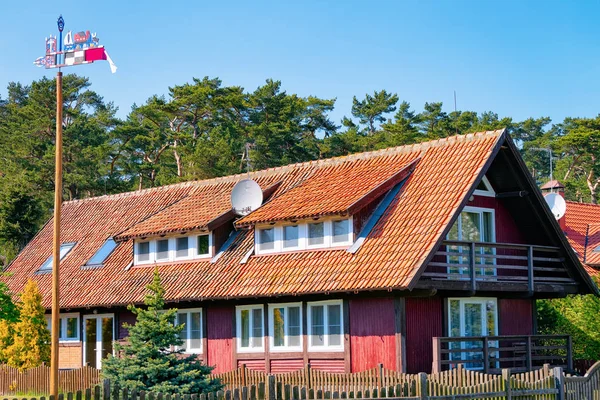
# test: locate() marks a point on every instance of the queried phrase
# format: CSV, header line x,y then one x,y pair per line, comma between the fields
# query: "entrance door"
x,y
97,338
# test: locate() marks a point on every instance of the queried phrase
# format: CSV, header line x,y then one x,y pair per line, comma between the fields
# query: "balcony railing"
x,y
474,265
490,354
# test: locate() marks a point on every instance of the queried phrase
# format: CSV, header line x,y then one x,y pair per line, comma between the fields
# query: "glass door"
x,y
98,338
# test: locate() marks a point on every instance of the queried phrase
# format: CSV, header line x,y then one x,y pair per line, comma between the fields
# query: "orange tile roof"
x,y
390,257
583,219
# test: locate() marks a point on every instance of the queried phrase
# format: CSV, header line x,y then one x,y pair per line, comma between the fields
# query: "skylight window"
x,y
103,252
65,248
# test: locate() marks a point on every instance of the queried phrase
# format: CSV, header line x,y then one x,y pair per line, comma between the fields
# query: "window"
x,y
290,236
485,188
69,327
103,252
192,332
341,232
143,252
285,327
325,326
162,249
203,246
267,239
65,248
250,327
316,234
182,249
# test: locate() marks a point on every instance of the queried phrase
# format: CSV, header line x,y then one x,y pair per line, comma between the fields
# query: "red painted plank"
x,y
515,316
125,317
219,326
278,366
372,333
423,323
328,365
256,365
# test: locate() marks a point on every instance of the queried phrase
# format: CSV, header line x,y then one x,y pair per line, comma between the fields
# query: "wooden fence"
x,y
584,387
37,380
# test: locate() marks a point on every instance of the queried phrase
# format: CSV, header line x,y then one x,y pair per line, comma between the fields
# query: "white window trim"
x,y
238,316
326,346
286,347
278,246
98,318
62,336
477,300
489,192
188,311
191,255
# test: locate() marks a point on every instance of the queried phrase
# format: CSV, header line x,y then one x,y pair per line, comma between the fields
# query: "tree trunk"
x,y
177,160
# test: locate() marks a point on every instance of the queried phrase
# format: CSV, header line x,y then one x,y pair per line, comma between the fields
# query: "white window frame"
x,y
476,300
278,245
192,253
326,346
188,311
238,313
285,347
99,338
62,336
489,192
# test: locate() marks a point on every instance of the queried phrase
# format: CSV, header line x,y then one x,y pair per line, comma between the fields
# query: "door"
x,y
98,338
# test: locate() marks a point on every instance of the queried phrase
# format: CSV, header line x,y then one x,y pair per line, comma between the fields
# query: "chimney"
x,y
555,186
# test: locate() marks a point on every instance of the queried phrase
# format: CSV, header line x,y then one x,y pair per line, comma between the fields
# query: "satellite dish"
x,y
246,197
557,204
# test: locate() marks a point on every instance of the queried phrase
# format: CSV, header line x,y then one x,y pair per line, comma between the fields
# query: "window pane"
x,y
316,234
290,236
245,321
334,324
341,231
471,231
144,251
491,317
182,319
257,324
203,245
181,247
317,323
64,250
454,318
473,319
267,239
103,252
71,328
162,249
293,326
278,327
195,331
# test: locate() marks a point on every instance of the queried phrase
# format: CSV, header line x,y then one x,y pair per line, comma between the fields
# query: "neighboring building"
x,y
350,262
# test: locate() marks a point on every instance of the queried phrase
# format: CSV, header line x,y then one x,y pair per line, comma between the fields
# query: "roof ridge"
x,y
422,146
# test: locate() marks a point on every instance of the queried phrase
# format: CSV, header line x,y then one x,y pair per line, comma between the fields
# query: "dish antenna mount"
x,y
557,204
246,197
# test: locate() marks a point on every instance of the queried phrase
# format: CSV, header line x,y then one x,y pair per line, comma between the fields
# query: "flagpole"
x,y
56,240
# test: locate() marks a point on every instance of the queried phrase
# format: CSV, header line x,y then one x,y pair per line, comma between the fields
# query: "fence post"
x,y
423,386
308,377
507,385
106,391
559,380
528,355
243,374
436,366
570,354
379,378
486,355
272,391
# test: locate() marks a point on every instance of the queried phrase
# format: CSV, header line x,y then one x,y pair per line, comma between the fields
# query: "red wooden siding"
x,y
507,230
257,365
328,365
515,316
278,366
423,323
124,317
372,333
219,328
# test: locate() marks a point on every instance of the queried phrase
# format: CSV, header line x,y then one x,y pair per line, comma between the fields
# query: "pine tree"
x,y
30,345
149,360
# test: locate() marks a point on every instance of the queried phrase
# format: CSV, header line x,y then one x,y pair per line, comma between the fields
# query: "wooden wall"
x,y
424,319
372,333
507,230
515,316
219,330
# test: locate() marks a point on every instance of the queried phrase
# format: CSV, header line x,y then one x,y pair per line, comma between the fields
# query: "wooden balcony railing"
x,y
472,265
490,354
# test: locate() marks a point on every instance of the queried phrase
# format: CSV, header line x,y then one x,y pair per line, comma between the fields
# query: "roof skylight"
x,y
103,252
65,248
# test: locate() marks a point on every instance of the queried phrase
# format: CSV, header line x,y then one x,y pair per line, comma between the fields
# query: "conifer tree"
x,y
30,345
150,360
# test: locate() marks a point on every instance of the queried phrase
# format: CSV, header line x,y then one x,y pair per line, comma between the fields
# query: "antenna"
x,y
557,204
246,197
246,157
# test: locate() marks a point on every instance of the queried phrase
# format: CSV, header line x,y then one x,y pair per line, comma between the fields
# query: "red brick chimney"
x,y
555,186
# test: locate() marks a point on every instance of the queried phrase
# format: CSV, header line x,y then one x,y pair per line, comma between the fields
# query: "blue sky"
x,y
517,58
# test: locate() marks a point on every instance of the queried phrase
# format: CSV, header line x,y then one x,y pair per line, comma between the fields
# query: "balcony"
x,y
475,266
490,354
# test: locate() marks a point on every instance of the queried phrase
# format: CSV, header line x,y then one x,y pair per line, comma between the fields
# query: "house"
x,y
417,256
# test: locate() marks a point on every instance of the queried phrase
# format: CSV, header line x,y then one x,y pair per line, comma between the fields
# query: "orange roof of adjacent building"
x,y
437,176
582,222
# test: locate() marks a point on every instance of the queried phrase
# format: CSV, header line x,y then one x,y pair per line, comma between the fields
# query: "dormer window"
x,y
102,254
304,236
485,188
65,248
170,249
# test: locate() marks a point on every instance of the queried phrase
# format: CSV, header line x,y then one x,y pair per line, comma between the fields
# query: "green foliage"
x,y
576,316
8,310
148,361
30,343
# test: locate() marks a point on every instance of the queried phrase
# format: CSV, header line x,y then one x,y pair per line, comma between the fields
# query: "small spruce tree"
x,y
30,345
149,361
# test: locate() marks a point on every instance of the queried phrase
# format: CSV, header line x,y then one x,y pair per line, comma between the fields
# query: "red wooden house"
x,y
421,254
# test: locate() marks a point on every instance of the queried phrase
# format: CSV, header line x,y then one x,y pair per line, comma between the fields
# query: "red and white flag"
x,y
99,53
